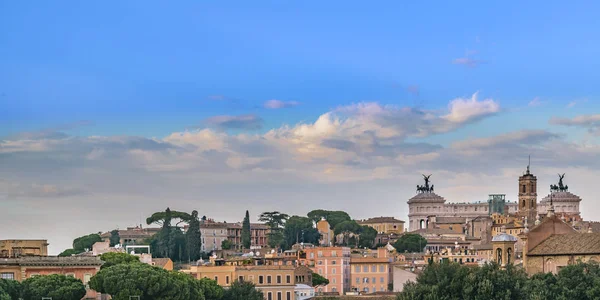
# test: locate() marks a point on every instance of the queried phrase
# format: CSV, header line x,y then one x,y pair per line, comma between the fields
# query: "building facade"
x,y
213,234
132,235
369,274
327,236
258,235
82,268
384,225
332,263
21,248
276,282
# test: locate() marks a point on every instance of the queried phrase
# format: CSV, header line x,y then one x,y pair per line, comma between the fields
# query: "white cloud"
x,y
277,104
469,109
536,102
589,122
249,122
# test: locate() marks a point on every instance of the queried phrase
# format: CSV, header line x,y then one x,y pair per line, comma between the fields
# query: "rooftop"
x,y
53,261
568,244
380,220
504,237
427,197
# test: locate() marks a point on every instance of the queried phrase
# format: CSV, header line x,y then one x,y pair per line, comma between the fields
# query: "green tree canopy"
x,y
246,237
86,242
318,280
193,238
275,220
367,237
212,291
346,228
333,217
169,241
9,289
410,242
226,245
115,238
150,283
113,258
68,252
169,215
57,287
242,291
295,226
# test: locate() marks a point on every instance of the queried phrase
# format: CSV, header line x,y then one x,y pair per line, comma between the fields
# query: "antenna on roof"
x,y
529,164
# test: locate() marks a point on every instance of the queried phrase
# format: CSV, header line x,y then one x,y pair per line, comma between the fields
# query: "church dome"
x,y
504,237
428,197
562,197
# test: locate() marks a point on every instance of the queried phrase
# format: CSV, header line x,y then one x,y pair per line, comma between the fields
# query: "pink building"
x,y
332,263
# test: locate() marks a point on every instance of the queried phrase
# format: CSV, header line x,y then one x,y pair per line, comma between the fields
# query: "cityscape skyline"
x,y
108,115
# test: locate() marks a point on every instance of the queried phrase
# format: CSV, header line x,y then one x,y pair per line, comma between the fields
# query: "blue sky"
x,y
364,97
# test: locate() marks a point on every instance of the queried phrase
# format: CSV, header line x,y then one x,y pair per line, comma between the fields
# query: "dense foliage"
x,y
410,243
318,280
299,229
57,287
275,220
212,291
170,241
115,238
9,289
246,237
367,237
113,258
81,244
333,217
193,238
347,229
453,281
242,291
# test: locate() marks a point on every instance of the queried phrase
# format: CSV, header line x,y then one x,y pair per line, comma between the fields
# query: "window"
x,y
333,280
241,278
278,279
288,296
279,296
365,269
366,280
288,279
374,280
269,279
217,278
8,276
320,262
320,254
260,279
366,290
381,280
312,255
373,268
320,271
269,296
333,270
226,279
357,280
71,274
333,262
334,253
357,269
381,269
86,279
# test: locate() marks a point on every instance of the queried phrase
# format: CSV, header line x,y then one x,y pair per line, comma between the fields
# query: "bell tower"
x,y
528,194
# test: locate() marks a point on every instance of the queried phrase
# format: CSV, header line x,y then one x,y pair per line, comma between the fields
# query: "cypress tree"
x,y
246,232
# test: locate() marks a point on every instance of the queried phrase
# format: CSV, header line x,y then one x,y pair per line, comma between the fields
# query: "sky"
x,y
109,113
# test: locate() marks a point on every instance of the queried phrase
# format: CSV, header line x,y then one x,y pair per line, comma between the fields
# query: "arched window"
x,y
499,255
523,189
532,203
508,255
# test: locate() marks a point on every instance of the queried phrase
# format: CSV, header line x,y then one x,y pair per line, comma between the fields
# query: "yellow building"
x,y
276,282
20,248
385,225
326,232
369,274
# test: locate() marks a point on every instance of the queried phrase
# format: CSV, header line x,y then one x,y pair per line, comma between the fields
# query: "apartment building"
x,y
370,274
21,248
276,282
384,225
332,263
213,235
82,268
258,235
132,235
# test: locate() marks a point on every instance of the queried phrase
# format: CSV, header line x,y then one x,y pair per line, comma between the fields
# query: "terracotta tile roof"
x,y
565,244
160,262
380,220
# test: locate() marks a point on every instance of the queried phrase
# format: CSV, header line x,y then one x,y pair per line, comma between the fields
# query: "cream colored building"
x,y
276,282
21,248
369,274
385,225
